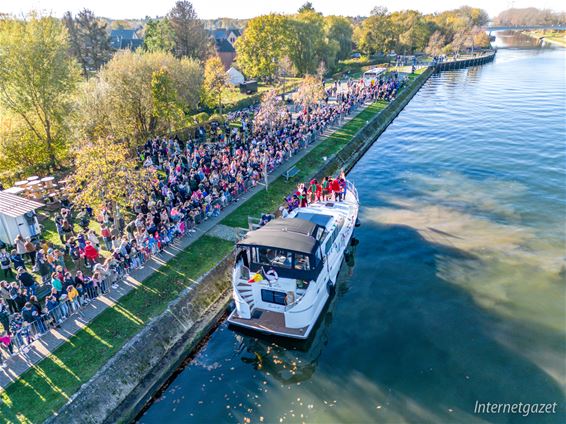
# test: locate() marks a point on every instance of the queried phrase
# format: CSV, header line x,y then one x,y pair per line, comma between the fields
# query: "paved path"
x,y
49,342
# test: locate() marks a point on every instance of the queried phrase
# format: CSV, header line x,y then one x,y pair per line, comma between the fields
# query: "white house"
x,y
17,216
235,77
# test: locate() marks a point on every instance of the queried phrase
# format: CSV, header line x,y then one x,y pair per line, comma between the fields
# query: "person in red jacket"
x,y
91,254
335,186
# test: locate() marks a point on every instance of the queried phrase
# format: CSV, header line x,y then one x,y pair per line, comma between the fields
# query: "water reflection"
x,y
293,361
509,268
518,40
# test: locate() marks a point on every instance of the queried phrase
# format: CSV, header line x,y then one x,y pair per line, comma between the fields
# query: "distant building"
x,y
226,52
125,39
224,40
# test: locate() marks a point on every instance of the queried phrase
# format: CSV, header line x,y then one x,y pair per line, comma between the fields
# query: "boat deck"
x,y
268,322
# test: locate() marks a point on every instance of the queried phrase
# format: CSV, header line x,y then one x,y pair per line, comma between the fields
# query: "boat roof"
x,y
294,225
294,234
375,71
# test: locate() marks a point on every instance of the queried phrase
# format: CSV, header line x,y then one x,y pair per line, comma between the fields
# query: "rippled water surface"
x,y
457,293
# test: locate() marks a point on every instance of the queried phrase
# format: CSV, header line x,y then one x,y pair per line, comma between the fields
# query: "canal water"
x,y
457,290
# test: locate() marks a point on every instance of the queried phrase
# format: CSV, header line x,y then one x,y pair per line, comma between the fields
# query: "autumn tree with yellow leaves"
x,y
105,171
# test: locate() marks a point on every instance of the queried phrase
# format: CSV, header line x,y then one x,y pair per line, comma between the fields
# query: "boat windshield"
x,y
302,262
273,257
281,259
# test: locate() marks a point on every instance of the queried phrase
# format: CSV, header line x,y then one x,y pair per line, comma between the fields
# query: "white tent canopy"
x,y
235,77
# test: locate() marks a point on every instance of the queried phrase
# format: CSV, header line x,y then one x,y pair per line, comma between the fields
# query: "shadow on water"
x,y
428,346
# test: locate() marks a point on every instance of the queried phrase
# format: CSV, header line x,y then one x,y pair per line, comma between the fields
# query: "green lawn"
x,y
50,231
50,235
268,201
43,389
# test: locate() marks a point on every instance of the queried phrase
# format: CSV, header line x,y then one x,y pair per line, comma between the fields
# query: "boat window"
x,y
273,257
272,296
302,262
333,236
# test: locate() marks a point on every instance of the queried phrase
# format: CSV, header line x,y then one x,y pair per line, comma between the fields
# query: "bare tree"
x,y
191,39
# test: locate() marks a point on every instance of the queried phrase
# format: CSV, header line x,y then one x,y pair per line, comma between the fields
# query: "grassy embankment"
x,y
269,201
44,388
554,37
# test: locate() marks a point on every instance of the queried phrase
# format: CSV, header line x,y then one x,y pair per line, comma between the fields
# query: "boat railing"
x,y
351,187
294,303
241,272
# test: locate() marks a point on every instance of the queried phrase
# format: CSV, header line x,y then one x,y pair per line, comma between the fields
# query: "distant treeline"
x,y
529,16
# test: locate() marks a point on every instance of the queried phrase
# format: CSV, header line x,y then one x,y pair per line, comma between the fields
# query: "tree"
x,y
435,44
473,15
215,80
458,42
191,39
126,98
413,32
106,171
166,105
529,16
339,29
308,42
307,7
37,79
286,68
451,22
310,92
159,36
90,43
21,153
480,38
321,71
376,33
263,44
272,111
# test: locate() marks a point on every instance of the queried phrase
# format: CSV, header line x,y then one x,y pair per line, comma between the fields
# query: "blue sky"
x,y
118,9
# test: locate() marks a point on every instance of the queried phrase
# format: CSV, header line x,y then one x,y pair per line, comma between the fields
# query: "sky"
x,y
208,9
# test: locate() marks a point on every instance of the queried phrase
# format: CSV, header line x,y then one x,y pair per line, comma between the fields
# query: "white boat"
x,y
285,271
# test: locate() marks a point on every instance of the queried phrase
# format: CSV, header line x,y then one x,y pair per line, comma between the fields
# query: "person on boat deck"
x,y
325,188
312,190
284,212
343,177
265,218
335,187
318,193
300,196
342,188
304,198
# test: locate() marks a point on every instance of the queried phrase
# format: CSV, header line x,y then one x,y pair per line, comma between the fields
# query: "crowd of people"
x,y
198,178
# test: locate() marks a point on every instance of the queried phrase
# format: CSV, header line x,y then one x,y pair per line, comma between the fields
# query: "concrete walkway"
x,y
50,341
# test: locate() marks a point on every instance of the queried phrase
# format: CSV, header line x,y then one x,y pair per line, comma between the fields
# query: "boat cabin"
x,y
291,247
